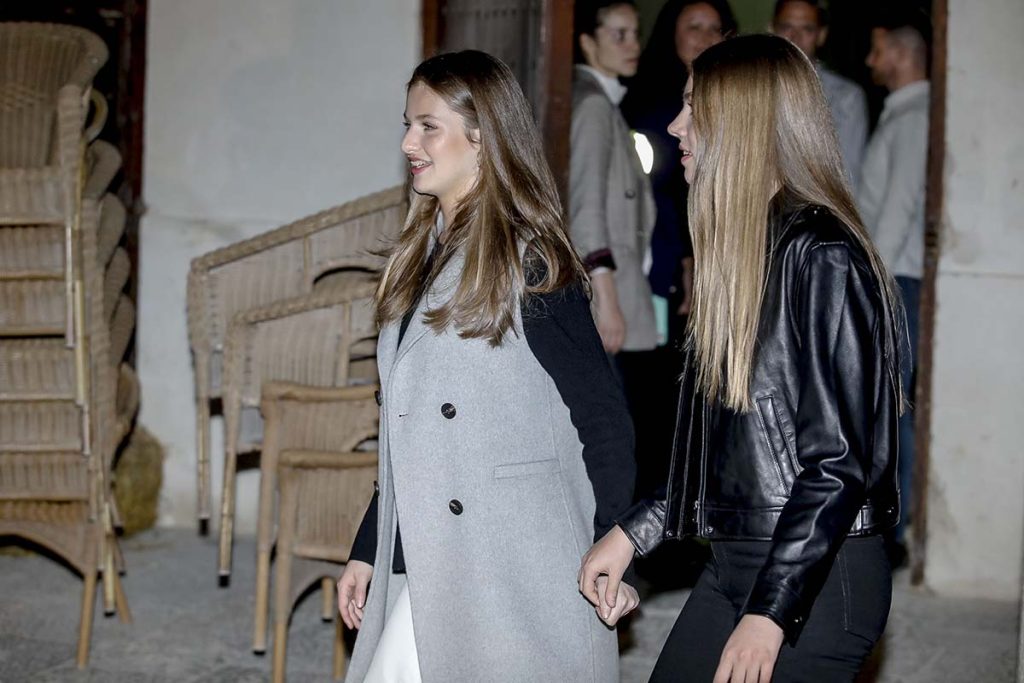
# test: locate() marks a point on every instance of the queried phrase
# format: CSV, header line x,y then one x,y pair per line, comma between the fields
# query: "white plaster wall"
x,y
976,496
258,112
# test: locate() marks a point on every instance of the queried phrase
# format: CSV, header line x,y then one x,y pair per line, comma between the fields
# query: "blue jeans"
x,y
910,290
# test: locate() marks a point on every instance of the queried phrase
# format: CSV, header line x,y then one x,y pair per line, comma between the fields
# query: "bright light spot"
x,y
644,151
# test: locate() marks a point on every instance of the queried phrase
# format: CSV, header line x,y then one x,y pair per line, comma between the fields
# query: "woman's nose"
x,y
408,142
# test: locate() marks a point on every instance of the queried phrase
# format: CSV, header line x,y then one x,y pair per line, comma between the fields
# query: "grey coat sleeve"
x,y
589,160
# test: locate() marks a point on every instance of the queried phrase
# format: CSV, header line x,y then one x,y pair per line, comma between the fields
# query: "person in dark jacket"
x,y
785,454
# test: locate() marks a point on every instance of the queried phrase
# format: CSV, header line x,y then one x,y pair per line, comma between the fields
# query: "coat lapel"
x,y
440,291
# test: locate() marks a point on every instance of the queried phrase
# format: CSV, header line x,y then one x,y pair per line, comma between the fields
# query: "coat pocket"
x,y
775,437
527,469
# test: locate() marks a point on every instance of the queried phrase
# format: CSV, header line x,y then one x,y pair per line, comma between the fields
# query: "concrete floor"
x,y
187,630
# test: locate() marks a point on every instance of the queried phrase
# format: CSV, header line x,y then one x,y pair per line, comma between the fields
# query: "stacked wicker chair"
x,y
66,398
321,445
273,308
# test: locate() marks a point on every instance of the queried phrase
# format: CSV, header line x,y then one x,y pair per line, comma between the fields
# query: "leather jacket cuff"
x,y
644,525
780,604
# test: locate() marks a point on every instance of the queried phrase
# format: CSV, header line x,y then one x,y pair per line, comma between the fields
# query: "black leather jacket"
x,y
814,460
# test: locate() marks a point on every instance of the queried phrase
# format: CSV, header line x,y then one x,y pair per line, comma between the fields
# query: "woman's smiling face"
x,y
442,157
682,129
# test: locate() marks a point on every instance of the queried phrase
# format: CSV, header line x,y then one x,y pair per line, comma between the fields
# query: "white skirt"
x,y
395,659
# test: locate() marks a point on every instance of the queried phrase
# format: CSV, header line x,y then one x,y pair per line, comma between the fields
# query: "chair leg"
x,y
227,515
259,634
283,578
280,647
109,579
328,608
121,601
339,647
265,537
85,625
282,612
204,501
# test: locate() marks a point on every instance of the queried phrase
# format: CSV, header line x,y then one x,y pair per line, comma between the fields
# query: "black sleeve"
x,y
838,325
364,547
560,331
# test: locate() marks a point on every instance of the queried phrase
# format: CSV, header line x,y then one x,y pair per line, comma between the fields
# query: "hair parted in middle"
x,y
763,134
513,204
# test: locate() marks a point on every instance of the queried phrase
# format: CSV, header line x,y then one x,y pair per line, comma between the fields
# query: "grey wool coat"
x,y
611,206
479,460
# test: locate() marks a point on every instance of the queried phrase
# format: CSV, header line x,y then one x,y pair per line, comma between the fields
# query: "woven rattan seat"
x,y
36,369
31,252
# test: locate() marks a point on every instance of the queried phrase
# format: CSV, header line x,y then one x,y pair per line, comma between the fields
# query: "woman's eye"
x,y
405,124
427,126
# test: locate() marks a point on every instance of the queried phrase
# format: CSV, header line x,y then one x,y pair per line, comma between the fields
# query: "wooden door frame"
x,y
934,204
555,108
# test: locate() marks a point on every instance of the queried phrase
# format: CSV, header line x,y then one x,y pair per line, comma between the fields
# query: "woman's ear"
x,y
589,46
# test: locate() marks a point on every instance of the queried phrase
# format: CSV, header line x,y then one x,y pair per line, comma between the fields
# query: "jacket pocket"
x,y
527,469
775,438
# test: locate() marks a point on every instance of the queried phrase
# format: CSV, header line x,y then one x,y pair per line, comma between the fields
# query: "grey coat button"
x,y
378,397
448,410
630,194
455,506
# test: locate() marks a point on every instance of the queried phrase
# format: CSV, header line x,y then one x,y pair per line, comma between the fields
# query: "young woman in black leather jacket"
x,y
785,449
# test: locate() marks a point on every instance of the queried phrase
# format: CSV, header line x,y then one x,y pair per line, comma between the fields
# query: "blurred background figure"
x,y
682,30
611,210
804,23
891,195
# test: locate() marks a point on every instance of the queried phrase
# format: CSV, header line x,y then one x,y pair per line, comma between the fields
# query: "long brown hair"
x,y
763,131
514,204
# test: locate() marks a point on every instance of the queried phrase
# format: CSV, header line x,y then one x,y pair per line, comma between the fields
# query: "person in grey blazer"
x,y
505,444
611,208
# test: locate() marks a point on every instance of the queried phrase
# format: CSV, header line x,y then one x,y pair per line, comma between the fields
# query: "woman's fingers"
x,y
588,584
344,599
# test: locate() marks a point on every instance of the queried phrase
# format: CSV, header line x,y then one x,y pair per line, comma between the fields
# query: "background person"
x,y
804,22
891,196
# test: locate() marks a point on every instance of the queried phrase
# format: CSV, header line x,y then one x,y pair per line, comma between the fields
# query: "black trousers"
x,y
845,622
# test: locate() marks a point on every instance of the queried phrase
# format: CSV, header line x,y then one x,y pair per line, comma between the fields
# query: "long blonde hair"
x,y
513,203
763,131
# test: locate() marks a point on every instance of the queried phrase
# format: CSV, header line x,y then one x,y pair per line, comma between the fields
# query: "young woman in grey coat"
x,y
505,444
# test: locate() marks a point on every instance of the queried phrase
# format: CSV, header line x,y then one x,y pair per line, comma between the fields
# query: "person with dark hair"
x,y
682,30
611,209
785,457
505,444
891,193
804,23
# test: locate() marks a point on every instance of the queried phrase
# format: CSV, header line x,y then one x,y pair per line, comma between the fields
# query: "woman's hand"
x,y
750,653
352,592
626,600
607,559
611,325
